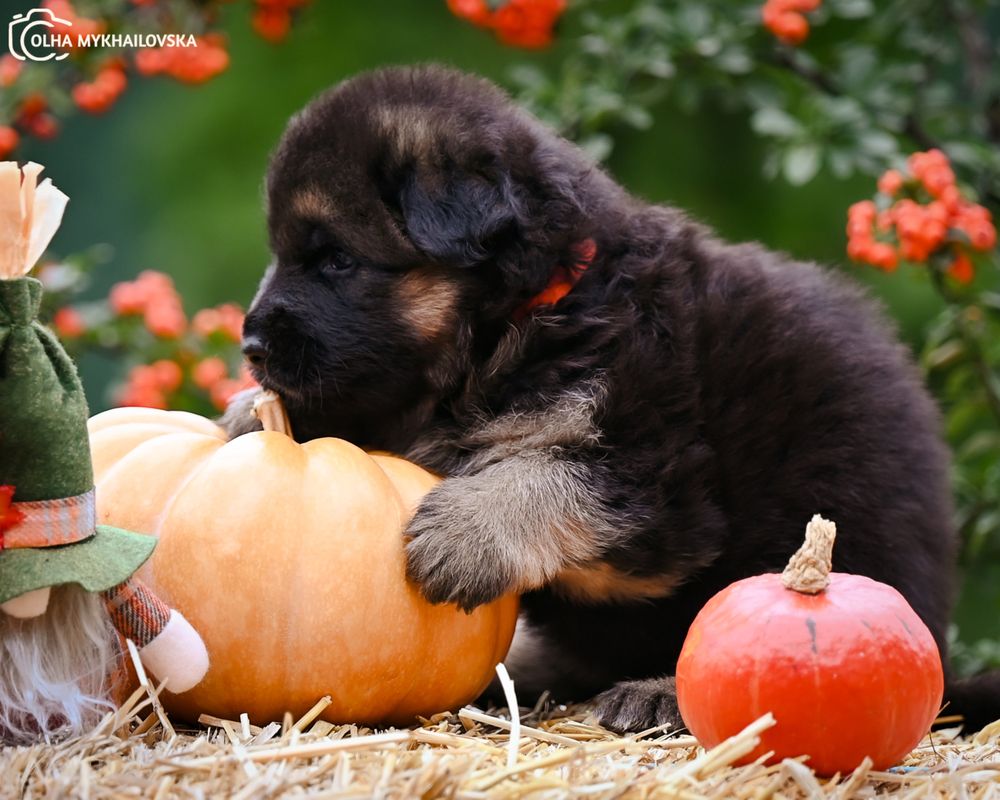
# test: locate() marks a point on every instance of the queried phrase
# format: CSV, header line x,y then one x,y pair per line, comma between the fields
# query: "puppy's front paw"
x,y
239,418
633,706
453,555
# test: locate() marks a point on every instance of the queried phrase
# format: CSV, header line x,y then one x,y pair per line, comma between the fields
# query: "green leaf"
x,y
595,45
991,300
694,19
660,68
841,163
801,163
735,61
528,76
945,355
708,46
637,116
770,121
852,9
598,146
878,143
979,444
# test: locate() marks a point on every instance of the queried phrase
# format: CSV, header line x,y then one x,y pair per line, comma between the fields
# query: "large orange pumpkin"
x,y
288,558
843,663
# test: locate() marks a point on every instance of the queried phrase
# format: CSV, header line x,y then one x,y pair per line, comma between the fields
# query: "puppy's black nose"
x,y
254,349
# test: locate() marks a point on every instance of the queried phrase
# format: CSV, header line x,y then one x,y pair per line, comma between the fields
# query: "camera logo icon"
x,y
27,35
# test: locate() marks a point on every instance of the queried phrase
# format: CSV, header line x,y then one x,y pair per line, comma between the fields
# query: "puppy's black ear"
x,y
459,219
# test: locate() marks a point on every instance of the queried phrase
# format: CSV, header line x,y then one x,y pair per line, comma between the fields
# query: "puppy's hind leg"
x,y
633,706
537,665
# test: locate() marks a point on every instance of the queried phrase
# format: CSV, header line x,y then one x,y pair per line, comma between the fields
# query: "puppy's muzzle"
x,y
254,349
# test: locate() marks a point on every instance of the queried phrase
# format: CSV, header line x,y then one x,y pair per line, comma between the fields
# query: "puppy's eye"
x,y
337,262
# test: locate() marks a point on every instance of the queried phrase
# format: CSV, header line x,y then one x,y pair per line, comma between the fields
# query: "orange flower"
x,y
143,388
126,298
883,256
68,323
527,23
151,290
976,223
521,23
186,64
199,64
961,267
42,126
231,321
99,96
151,60
143,377
32,105
475,11
146,398
784,18
10,69
271,23
168,375
222,392
154,284
921,229
165,320
79,27
891,182
206,322
208,372
9,140
226,319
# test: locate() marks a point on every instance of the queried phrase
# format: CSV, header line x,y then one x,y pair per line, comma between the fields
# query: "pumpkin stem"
x,y
270,410
808,571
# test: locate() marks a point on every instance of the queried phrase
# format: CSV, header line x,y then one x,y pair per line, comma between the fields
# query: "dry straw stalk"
x,y
561,753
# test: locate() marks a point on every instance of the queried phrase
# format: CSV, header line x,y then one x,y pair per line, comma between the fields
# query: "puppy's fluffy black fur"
x,y
667,428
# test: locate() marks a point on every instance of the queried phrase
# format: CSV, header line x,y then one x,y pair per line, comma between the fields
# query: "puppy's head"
x,y
410,212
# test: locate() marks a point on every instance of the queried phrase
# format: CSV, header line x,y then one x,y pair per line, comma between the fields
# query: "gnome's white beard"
x,y
54,679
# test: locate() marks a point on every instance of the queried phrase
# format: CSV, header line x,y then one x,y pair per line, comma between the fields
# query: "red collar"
x,y
563,279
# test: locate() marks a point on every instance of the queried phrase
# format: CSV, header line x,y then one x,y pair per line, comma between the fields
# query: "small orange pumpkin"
x,y
288,558
843,663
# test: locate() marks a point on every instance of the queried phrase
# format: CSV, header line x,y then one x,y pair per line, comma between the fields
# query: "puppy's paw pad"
x,y
633,706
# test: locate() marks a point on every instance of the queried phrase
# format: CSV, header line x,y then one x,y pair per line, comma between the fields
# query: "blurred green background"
x,y
171,178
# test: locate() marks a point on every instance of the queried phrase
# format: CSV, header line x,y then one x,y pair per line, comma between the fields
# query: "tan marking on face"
x,y
598,582
312,204
427,302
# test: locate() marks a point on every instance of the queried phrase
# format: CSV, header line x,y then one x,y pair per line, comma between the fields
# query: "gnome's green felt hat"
x,y
48,530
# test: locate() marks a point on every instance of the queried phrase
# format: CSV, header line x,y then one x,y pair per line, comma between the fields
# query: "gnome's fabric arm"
x,y
169,647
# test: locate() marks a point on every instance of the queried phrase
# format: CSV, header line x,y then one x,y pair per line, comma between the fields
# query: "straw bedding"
x,y
546,752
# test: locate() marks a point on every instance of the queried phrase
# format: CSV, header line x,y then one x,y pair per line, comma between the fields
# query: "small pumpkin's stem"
x,y
808,571
270,410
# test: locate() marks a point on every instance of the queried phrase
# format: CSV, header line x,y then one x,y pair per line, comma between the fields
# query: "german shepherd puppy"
x,y
629,413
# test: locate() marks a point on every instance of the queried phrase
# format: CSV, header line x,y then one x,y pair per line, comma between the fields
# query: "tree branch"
x,y
912,126
975,45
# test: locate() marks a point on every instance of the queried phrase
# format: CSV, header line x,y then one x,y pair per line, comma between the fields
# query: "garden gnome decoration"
x,y
66,583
